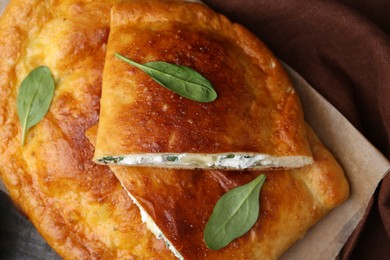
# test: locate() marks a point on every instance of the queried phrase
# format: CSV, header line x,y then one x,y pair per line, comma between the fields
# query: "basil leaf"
x,y
180,79
234,214
35,95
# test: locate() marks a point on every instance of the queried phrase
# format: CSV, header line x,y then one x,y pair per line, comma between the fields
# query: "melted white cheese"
x,y
221,161
151,225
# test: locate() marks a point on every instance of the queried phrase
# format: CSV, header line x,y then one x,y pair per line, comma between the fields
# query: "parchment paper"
x,y
364,166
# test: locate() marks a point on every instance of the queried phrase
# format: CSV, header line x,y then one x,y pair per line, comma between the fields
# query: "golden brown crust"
x,y
79,208
257,109
325,178
181,201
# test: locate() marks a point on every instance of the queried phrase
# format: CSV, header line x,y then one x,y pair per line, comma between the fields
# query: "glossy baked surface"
x,y
257,109
79,207
181,202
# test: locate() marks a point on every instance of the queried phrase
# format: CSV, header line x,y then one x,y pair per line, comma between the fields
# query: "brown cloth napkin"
x,y
342,48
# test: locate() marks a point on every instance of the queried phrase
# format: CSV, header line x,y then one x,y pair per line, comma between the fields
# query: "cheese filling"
x,y
151,225
224,161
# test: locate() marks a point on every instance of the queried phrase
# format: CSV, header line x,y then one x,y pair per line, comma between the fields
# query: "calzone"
x,y
256,121
77,206
176,204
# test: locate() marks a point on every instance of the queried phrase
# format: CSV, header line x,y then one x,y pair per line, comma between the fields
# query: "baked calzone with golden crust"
x,y
81,208
256,121
78,207
176,204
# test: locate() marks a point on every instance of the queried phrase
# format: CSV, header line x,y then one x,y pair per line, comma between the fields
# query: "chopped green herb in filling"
x,y
171,158
111,159
190,161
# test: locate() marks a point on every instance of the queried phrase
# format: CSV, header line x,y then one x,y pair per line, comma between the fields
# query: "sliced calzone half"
x,y
78,207
176,204
256,120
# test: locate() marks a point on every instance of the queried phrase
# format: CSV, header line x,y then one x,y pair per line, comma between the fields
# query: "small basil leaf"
x,y
180,79
234,214
35,95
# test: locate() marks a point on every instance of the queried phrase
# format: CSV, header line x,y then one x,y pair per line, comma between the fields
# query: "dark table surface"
x,y
18,237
